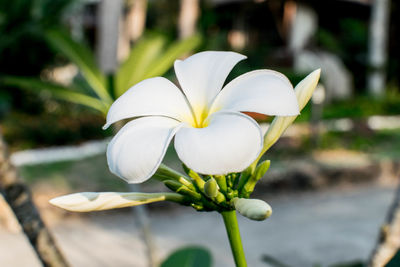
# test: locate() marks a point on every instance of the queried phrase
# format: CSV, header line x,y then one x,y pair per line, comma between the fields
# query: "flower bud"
x,y
306,87
254,209
211,188
304,91
91,201
261,169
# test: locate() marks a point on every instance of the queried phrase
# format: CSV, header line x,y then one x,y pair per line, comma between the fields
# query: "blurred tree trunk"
x,y
389,237
377,54
133,24
289,15
301,25
18,197
136,18
108,18
188,14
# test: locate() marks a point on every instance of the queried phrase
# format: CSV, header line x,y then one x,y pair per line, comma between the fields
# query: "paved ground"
x,y
307,228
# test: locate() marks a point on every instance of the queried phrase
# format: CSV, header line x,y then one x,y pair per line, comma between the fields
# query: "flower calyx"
x,y
218,192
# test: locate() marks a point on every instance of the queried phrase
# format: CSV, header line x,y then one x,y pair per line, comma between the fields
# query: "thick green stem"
x,y
232,229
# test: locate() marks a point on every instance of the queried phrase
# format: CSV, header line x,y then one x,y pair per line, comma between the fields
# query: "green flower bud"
x,y
211,188
254,209
261,169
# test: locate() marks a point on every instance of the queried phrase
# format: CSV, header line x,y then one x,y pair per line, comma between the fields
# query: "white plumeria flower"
x,y
212,136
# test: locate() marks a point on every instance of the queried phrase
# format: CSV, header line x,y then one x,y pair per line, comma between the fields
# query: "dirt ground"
x,y
320,227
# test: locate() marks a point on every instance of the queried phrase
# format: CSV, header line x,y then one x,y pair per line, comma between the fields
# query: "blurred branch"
x,y
18,197
389,237
136,18
108,29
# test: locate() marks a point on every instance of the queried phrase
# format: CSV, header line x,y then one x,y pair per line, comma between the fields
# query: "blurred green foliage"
x,y
90,174
162,16
349,42
69,125
151,56
31,23
23,48
381,144
359,107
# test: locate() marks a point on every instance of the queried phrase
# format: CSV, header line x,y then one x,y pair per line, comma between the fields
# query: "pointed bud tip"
x,y
71,200
317,72
53,201
59,201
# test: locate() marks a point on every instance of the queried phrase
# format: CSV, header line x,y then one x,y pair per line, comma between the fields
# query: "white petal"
x,y
229,143
135,153
202,76
154,96
263,91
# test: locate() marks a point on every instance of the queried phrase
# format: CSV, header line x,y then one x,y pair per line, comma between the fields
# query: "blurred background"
x,y
333,176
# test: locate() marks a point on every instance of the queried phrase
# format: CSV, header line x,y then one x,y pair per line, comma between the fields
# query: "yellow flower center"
x,y
200,121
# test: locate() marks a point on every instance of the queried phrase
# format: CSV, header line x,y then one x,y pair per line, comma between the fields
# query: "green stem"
x,y
232,229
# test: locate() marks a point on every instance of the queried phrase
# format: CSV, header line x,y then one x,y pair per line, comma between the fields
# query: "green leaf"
x,y
150,58
56,90
135,66
174,51
83,58
189,257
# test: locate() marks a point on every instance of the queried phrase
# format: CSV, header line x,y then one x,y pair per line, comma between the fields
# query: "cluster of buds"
x,y
218,192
